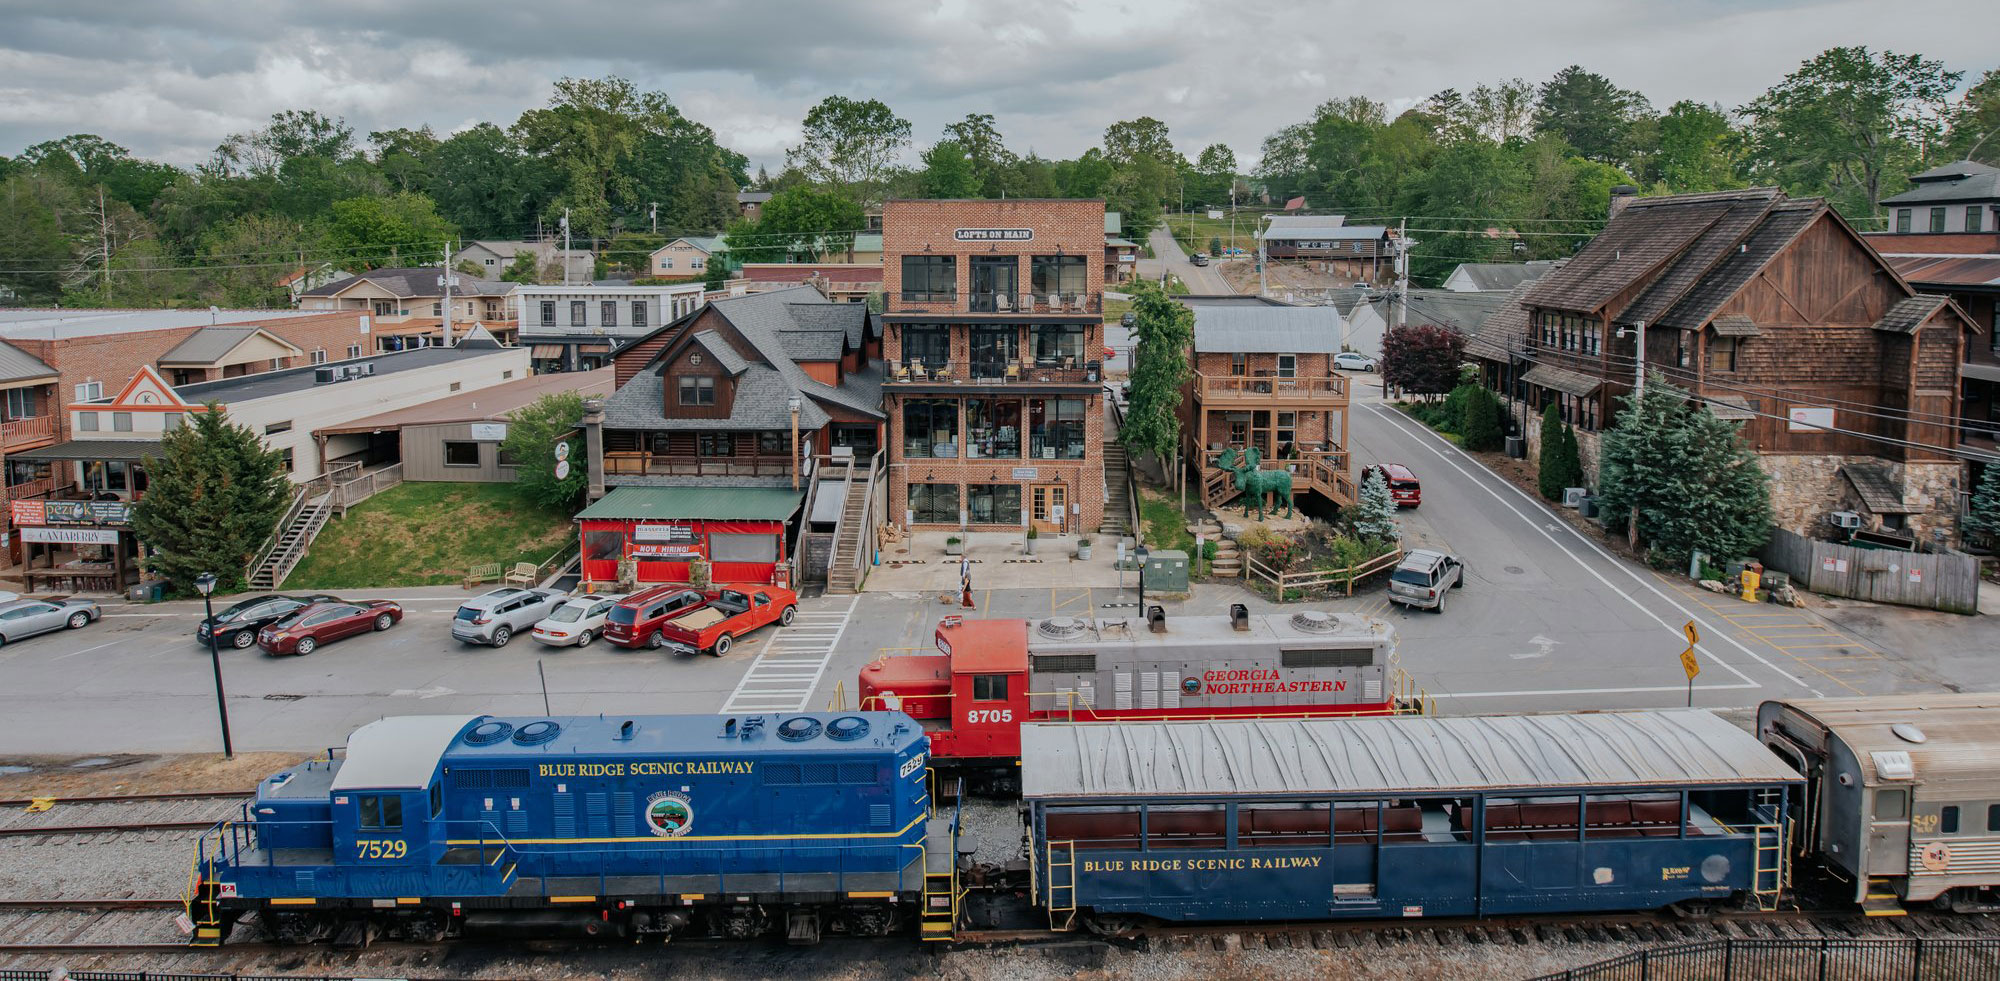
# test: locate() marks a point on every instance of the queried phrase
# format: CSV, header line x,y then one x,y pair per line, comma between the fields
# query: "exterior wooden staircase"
x,y
1117,491
295,534
851,559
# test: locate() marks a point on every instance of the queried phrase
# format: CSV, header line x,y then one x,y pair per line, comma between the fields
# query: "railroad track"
x,y
116,814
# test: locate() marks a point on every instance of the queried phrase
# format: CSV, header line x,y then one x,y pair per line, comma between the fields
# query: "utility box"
x,y
1166,571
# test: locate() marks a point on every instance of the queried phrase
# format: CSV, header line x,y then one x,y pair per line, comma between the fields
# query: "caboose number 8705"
x,y
990,676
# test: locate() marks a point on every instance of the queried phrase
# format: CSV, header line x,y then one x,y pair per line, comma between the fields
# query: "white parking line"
x,y
795,656
1393,419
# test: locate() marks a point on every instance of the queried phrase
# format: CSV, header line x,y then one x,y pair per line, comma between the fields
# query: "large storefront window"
x,y
934,504
930,277
930,428
742,548
993,428
1055,428
716,444
926,346
599,545
993,504
1059,345
1064,274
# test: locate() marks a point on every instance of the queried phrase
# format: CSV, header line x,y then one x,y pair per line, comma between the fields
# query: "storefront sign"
x,y
70,536
70,512
994,234
490,432
657,550
1027,473
662,533
1809,418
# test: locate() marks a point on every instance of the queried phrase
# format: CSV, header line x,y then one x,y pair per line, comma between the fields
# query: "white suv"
x,y
1423,579
577,622
493,618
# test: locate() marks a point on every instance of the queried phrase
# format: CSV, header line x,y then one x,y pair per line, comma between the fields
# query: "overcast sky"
x,y
171,78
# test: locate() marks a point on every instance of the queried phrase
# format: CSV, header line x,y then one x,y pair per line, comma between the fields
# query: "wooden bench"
x,y
485,572
524,574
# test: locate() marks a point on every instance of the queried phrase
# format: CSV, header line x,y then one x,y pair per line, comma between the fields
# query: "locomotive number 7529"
x,y
389,848
977,716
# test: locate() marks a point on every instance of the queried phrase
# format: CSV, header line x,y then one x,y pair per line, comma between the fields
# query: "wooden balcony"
x,y
998,304
21,434
1026,373
1324,471
1268,390
632,463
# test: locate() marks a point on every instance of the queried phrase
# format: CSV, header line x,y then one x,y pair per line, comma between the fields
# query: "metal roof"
x,y
398,753
1562,379
697,504
1487,277
92,449
211,344
56,324
1961,734
17,365
286,381
1957,272
493,403
1386,755
1265,329
1963,180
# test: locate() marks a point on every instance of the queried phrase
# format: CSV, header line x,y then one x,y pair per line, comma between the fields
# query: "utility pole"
x,y
1402,272
445,281
1263,259
1639,361
104,240
653,213
564,258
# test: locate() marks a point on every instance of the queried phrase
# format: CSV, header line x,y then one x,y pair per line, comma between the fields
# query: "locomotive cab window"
x,y
437,798
989,688
1889,805
383,813
1993,817
1948,820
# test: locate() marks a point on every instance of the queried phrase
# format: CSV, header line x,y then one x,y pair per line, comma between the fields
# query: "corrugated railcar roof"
x,y
1961,733
1382,755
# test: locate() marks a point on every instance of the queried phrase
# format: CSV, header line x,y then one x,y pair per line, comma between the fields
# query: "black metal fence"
x,y
1825,959
18,974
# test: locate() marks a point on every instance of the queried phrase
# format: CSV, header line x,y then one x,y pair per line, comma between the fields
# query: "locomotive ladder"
x,y
1062,884
940,918
1771,870
203,903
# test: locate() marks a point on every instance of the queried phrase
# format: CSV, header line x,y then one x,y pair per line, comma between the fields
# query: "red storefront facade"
x,y
740,531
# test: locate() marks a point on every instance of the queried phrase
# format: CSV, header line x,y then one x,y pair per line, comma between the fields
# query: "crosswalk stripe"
x,y
795,656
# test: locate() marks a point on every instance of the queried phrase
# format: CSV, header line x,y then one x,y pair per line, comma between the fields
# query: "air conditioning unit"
x,y
1845,519
322,376
1572,497
365,368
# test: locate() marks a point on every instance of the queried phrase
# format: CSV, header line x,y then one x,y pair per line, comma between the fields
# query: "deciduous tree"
x,y
1422,359
1589,113
1162,334
213,496
850,142
948,172
532,434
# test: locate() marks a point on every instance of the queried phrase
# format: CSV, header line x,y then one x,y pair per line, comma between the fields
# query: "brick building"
x,y
1774,313
993,333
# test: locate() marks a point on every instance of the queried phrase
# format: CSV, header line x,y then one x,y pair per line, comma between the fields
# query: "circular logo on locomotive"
x,y
1190,685
1936,856
668,814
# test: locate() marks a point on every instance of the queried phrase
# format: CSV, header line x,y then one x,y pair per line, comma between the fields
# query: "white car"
x,y
577,622
1354,361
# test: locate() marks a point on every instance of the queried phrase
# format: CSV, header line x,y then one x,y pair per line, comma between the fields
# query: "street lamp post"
x,y
793,405
205,585
1141,554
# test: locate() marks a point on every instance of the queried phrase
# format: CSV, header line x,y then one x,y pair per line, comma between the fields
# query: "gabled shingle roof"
x,y
1504,335
210,344
1642,240
1909,313
1491,277
1740,261
720,350
17,365
1876,489
1964,180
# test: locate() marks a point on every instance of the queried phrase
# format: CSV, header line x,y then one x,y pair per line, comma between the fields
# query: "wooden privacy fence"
x,y
1946,581
1329,579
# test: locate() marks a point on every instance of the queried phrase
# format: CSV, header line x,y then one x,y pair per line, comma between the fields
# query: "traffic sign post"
x,y
1688,662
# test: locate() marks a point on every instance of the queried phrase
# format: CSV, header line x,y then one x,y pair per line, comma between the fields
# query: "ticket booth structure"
x,y
743,532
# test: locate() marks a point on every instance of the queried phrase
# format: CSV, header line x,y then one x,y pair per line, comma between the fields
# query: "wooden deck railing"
x,y
636,462
15,432
1330,579
1268,388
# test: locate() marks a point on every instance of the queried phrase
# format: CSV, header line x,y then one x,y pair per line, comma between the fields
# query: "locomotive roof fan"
x,y
488,733
1062,628
536,733
847,728
798,729
1313,622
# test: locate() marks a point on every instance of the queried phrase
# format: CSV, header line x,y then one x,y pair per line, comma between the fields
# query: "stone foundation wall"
x,y
1805,489
1586,449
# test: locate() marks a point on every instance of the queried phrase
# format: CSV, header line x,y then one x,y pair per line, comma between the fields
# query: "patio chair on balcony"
x,y
902,374
1013,371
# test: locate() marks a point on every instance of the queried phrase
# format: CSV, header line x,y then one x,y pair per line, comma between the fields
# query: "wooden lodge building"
x,y
1264,378
1774,313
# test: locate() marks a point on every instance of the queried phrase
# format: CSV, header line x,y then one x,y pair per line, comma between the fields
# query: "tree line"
x,y
1510,170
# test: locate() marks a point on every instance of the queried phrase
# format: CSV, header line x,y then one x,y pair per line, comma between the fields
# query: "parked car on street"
x,y
316,624
1424,577
494,617
636,620
1404,488
577,622
24,618
731,612
1199,258
1354,361
237,625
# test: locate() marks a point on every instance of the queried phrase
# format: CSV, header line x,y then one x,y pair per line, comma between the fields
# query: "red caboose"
x,y
989,676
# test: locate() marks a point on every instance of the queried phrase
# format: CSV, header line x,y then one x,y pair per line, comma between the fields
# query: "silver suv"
x,y
1423,579
494,618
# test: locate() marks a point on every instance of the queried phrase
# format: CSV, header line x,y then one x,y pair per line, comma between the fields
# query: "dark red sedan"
x,y
323,623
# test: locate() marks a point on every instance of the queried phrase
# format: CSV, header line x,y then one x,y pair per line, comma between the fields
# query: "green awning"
x,y
93,449
696,504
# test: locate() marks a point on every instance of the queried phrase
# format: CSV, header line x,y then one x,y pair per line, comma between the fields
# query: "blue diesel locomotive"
x,y
735,826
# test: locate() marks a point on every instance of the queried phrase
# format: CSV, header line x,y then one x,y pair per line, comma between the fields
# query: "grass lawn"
x,y
426,534
1166,526
1115,310
1194,231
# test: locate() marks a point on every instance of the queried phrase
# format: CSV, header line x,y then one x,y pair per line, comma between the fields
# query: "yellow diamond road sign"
x,y
1694,636
1689,664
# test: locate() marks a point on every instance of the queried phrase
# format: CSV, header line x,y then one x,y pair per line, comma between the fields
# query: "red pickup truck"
x,y
730,613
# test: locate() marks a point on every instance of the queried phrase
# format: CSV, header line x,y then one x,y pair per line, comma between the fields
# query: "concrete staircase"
x,y
1117,491
289,545
1228,562
843,575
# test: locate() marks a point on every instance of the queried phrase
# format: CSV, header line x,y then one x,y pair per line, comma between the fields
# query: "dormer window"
x,y
697,391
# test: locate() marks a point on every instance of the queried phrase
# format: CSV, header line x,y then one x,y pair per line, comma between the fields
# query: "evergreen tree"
x,y
532,434
213,497
1482,427
1681,480
1984,516
1375,513
1162,332
1571,461
1551,476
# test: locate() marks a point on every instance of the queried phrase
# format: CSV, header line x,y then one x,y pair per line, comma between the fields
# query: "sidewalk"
x,y
997,561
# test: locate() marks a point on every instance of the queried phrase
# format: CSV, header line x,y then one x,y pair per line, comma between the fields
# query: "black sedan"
x,y
237,626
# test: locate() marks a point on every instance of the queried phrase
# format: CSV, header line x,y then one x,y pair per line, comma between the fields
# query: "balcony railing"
x,y
44,487
1067,371
639,462
16,432
1270,388
916,301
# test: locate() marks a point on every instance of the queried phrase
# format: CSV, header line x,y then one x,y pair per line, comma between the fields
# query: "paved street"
x,y
1546,621
1169,257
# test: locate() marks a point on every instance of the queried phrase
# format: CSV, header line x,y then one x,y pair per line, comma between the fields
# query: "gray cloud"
x,y
172,78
